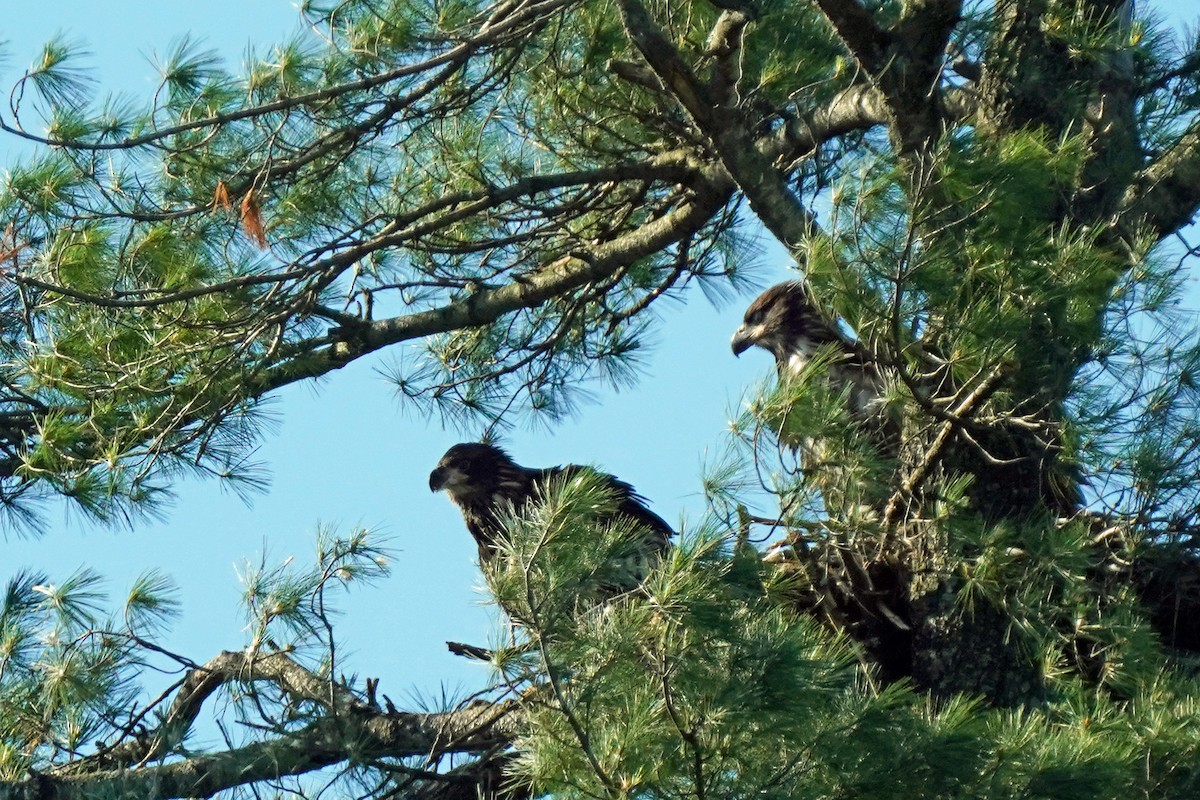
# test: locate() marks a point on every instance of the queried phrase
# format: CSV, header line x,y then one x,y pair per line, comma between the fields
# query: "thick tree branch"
x,y
857,108
200,684
751,168
905,64
925,29
725,46
866,41
479,727
711,191
1166,194
854,109
348,729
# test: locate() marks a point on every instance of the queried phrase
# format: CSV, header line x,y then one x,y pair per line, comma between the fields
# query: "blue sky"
x,y
347,452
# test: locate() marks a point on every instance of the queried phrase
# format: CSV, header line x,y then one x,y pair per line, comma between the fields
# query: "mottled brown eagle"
x,y
858,593
784,321
1018,464
486,485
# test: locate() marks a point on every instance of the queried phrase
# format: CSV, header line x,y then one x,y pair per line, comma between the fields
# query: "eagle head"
x,y
470,468
778,319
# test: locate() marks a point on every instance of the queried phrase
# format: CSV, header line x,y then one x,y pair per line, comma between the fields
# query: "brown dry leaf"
x,y
252,220
11,253
221,197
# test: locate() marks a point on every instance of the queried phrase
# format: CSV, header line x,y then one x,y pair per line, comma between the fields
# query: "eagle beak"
x,y
437,479
742,341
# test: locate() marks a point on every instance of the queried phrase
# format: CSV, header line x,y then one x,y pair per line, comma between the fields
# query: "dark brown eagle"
x,y
784,321
486,485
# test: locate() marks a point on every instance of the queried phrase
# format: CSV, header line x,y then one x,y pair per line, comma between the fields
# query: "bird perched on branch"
x,y
861,592
486,485
784,321
1010,462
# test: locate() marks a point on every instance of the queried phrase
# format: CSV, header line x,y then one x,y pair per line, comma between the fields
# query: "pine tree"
x,y
986,197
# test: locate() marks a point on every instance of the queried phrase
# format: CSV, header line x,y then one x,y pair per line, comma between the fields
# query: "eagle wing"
x,y
485,483
629,569
629,503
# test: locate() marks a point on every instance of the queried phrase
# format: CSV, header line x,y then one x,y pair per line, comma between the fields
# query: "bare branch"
x,y
366,734
725,45
969,406
858,108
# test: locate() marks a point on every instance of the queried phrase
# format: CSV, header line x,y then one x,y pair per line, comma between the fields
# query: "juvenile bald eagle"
x,y
486,484
784,321
856,592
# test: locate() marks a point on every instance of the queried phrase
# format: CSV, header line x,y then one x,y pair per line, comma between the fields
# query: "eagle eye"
x,y
754,317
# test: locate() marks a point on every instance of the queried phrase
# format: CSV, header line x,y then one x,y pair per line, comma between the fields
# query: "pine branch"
x,y
725,125
1165,195
710,192
331,740
199,685
964,410
508,20
423,220
353,730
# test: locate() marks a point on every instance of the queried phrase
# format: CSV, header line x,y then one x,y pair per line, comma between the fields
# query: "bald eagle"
x,y
784,321
486,485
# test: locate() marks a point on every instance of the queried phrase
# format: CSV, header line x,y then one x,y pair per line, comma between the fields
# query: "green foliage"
x,y
182,258
66,670
78,684
1064,601
286,604
559,560
56,77
700,683
975,259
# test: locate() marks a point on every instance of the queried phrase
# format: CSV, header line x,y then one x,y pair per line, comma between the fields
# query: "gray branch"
x,y
478,728
750,167
200,683
854,25
348,730
1165,196
855,109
